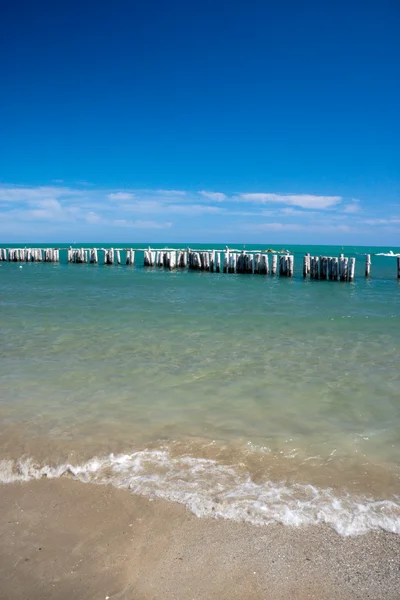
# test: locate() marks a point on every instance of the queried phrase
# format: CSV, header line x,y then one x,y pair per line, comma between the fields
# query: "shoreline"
x,y
63,538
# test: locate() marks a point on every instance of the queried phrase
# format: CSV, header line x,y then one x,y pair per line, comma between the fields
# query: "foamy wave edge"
x,y
210,489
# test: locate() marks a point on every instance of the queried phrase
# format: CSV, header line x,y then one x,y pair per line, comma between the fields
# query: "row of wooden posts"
x,y
30,255
333,268
316,267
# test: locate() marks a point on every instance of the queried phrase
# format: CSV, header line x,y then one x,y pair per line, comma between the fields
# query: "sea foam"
x,y
210,489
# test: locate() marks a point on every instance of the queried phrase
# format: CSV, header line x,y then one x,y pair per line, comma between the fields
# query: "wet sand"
x,y
63,539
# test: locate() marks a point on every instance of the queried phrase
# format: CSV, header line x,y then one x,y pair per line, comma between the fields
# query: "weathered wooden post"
x,y
226,262
243,263
316,267
266,259
201,254
93,256
335,268
218,263
352,268
240,262
232,262
274,264
212,261
149,258
345,265
305,265
323,267
367,265
290,265
341,266
172,260
329,273
195,261
283,266
250,263
118,257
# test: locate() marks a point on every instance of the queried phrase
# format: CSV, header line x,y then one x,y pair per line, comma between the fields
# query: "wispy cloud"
x,y
275,226
142,224
194,209
93,213
217,196
353,207
302,200
389,221
170,192
120,196
33,194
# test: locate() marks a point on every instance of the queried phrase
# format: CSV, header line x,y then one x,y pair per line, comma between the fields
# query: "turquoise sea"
x,y
244,397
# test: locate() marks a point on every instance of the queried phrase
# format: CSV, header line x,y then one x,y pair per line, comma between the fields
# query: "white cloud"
x,y
144,206
120,196
298,213
275,227
142,224
170,192
32,194
93,218
302,200
193,209
217,196
390,221
353,207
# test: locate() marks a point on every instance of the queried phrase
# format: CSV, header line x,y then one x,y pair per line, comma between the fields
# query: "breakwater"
x,y
340,268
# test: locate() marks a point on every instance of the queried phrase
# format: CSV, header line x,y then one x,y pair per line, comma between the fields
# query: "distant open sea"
x,y
245,397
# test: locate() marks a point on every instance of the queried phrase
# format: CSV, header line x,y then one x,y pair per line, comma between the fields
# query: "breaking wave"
x,y
210,489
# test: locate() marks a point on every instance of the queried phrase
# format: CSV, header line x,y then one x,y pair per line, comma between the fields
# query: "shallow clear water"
x,y
243,396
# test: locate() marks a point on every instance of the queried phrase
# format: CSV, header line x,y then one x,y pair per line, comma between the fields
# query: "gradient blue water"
x,y
297,378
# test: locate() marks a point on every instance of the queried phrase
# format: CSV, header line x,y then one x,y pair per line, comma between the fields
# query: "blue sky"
x,y
200,122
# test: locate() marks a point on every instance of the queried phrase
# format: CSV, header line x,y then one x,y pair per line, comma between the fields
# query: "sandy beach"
x,y
63,539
